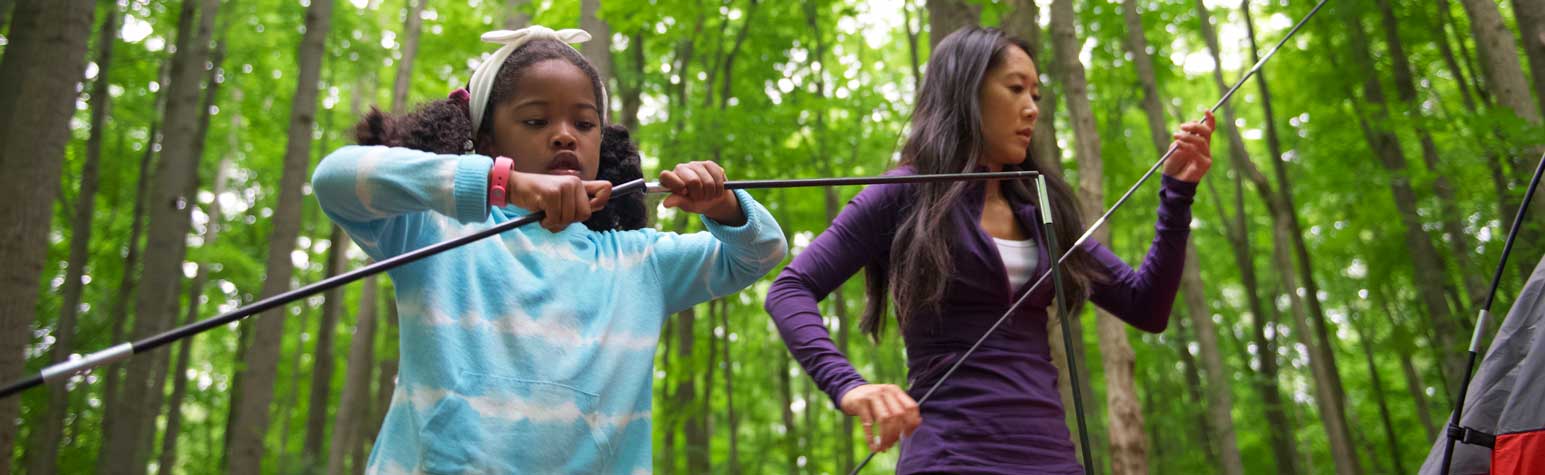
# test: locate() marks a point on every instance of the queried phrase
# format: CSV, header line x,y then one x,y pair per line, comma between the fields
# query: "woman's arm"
x,y
1143,297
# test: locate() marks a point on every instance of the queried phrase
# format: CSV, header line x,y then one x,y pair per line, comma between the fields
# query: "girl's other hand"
x,y
887,412
698,187
1193,154
566,199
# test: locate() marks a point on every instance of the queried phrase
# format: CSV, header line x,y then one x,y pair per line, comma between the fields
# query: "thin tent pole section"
x,y
124,350
1455,432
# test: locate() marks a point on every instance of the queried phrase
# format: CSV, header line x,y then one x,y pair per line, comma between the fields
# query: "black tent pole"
x,y
1455,432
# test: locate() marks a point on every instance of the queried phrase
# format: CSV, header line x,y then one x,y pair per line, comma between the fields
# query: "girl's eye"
x,y
535,123
585,125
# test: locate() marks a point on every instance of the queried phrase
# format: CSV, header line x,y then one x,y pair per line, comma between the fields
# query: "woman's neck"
x,y
994,190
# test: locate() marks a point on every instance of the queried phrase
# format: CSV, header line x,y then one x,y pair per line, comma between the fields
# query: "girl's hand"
x,y
566,199
1193,154
698,187
887,412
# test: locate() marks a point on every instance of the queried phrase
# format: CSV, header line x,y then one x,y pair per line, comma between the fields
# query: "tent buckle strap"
x,y
1471,436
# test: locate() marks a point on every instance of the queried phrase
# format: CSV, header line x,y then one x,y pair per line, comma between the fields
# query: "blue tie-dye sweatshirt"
x,y
532,352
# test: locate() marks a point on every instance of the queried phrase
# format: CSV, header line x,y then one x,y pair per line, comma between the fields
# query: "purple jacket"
x,y
1000,412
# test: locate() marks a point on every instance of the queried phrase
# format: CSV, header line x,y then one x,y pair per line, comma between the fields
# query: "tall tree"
x,y
411,30
44,453
946,16
1128,443
140,396
250,422
1531,25
354,399
45,57
179,370
322,364
599,48
1500,67
1449,218
1220,405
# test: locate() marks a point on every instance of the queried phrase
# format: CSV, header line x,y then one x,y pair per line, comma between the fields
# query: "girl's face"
x,y
552,125
1008,94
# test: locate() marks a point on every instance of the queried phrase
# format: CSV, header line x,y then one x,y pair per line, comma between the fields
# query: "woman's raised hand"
x,y
887,412
1193,151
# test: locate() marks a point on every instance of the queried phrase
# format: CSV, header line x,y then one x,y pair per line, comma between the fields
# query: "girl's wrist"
x,y
727,210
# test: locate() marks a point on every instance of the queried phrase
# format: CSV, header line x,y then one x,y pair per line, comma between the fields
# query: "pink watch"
x,y
499,181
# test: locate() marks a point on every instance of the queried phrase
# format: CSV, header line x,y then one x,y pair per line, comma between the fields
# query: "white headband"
x,y
482,82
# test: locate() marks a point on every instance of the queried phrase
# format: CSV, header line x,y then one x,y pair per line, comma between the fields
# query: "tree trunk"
x,y
386,374
287,407
729,395
322,363
1499,61
1405,87
251,418
1129,445
1219,402
907,9
1424,256
119,315
946,16
46,440
1194,390
1378,395
170,204
599,48
356,381
514,17
1531,25
686,392
632,88
790,433
410,33
44,60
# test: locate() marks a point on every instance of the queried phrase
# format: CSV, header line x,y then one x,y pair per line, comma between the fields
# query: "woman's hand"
x,y
566,199
1193,151
887,412
698,187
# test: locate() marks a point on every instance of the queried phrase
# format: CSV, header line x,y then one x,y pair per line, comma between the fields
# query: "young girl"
x,y
532,352
954,257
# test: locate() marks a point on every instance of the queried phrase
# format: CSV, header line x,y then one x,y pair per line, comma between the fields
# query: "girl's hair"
x,y
946,137
445,126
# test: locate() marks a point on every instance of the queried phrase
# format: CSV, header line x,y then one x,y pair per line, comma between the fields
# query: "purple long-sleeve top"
x,y
1000,412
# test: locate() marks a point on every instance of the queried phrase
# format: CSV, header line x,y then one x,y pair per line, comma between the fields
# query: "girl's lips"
x,y
564,163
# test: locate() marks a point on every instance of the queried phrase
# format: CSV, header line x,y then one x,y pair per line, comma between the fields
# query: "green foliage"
x,y
774,89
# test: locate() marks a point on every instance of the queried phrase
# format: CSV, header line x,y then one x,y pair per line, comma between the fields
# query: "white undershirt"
x,y
1019,259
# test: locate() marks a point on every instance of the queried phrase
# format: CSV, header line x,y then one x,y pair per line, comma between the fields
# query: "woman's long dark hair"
x,y
947,137
445,126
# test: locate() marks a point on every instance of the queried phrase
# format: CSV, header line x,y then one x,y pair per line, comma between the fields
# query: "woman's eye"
x,y
535,123
1035,97
1016,88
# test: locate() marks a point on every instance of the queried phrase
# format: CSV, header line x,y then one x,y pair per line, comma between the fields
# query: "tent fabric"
x,y
1507,395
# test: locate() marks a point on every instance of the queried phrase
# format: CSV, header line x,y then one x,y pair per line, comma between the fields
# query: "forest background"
x,y
156,155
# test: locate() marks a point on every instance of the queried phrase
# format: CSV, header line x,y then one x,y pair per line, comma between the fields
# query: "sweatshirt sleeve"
x,y
860,234
702,266
379,194
1143,297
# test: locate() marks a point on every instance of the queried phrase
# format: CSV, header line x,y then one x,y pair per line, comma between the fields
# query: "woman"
x,y
953,257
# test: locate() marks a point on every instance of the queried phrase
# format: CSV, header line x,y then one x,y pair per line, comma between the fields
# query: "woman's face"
x,y
1007,96
552,124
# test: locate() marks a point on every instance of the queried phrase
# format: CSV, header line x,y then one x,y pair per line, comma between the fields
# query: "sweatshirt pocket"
x,y
498,425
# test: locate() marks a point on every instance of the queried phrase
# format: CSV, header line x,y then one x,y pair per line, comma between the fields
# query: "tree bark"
x,y
356,382
946,16
127,444
599,49
632,87
1405,87
1363,339
729,394
1531,26
1424,256
44,454
45,58
411,29
1219,402
1128,443
1023,22
514,17
251,419
322,364
686,391
1499,61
